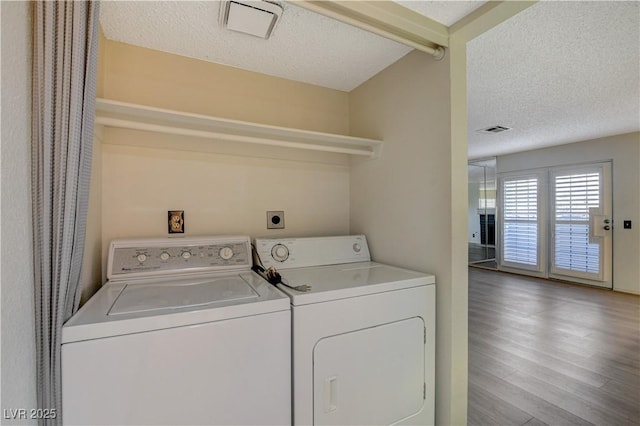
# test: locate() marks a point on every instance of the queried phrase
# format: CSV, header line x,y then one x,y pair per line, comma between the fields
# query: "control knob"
x,y
280,252
356,247
164,255
186,254
226,253
142,257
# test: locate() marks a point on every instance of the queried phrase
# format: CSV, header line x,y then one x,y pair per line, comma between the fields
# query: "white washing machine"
x,y
182,333
363,336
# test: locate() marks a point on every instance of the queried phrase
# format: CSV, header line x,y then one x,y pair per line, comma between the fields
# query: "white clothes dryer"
x,y
182,333
363,335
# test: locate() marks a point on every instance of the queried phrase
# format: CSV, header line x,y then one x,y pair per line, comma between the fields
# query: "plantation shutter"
x,y
574,195
557,222
520,227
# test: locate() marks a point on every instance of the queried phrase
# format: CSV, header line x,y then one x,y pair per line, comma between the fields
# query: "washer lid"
x,y
143,305
138,298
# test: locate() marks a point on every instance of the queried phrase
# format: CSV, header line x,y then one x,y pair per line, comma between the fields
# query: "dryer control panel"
x,y
169,256
283,253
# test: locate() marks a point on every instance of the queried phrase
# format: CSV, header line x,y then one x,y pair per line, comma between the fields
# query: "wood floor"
x,y
542,352
478,252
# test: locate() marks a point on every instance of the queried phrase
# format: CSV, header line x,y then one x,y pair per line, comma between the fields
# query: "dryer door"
x,y
373,376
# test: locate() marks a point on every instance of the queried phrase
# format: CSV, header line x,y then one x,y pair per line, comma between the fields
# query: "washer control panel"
x,y
169,256
283,253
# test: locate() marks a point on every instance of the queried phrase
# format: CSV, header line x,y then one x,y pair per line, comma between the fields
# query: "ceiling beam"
x,y
387,19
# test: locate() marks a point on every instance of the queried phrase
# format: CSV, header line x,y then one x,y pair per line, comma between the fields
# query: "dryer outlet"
x,y
275,219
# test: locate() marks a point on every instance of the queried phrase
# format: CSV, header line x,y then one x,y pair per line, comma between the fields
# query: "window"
x,y
520,220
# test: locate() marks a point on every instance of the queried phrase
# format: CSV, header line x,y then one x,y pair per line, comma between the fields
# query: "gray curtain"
x,y
65,52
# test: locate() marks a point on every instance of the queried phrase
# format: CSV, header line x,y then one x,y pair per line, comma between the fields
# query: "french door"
x,y
580,223
556,223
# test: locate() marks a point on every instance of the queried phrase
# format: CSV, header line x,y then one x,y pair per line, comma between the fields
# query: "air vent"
x,y
494,129
253,17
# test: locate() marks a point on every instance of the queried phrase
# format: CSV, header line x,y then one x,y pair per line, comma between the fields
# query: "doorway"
x,y
580,224
482,213
556,223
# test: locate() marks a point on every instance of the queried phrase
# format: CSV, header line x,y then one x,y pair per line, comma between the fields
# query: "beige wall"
x,y
403,201
220,194
624,151
148,77
18,340
223,187
91,278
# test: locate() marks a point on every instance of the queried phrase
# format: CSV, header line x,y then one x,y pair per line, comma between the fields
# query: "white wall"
x,y
623,150
18,340
403,201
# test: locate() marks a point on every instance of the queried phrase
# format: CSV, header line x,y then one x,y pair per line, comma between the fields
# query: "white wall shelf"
x,y
124,115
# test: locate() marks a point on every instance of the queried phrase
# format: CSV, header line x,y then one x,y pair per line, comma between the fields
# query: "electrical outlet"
x,y
176,221
626,224
275,219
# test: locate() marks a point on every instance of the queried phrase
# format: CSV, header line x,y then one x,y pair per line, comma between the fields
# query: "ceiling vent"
x,y
494,129
253,17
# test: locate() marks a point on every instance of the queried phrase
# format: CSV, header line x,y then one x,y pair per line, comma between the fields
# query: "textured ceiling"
x,y
445,12
305,46
557,72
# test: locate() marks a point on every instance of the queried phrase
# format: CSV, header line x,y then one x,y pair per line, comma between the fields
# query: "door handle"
x,y
330,394
606,227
